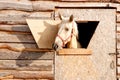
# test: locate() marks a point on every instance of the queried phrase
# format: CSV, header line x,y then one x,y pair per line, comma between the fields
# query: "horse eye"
x,y
66,29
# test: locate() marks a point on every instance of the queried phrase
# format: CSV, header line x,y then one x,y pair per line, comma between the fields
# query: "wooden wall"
x,y
14,32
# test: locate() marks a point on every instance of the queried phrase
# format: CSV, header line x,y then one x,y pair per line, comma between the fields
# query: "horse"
x,y
67,34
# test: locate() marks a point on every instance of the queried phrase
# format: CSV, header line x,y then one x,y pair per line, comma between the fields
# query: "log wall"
x,y
14,32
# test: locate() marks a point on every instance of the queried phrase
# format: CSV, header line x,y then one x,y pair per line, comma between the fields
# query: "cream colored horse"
x,y
67,34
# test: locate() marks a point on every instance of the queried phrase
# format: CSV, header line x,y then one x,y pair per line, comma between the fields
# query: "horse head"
x,y
66,30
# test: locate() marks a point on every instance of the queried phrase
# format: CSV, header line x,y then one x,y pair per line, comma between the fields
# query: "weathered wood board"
x,y
98,66
28,74
15,37
26,65
80,51
44,31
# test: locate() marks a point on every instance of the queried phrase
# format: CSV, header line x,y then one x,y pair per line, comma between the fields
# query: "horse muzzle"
x,y
55,46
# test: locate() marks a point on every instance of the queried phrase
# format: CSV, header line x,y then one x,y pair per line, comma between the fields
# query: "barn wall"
x,y
14,32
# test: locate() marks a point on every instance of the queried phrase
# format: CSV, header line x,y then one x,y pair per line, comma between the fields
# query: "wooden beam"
x,y
15,37
7,77
28,74
27,65
77,51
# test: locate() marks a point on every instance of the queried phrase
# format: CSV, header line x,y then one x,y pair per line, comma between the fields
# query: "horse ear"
x,y
61,17
71,18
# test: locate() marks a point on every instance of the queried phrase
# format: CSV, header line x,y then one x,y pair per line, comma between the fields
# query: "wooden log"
x,y
118,62
81,0
11,37
118,53
19,17
6,77
118,27
44,5
20,45
118,17
116,1
82,4
5,46
118,35
118,41
26,79
15,28
12,79
28,74
26,65
17,5
10,55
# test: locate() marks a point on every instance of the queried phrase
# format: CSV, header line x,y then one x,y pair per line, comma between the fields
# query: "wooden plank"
x,y
27,65
44,5
25,79
118,41
12,79
28,74
118,36
82,4
118,61
44,31
15,28
118,27
7,77
118,16
118,69
14,37
18,17
10,55
15,4
116,1
20,45
116,5
81,0
75,51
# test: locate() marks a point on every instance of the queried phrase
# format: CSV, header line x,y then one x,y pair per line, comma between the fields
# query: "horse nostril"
x,y
55,46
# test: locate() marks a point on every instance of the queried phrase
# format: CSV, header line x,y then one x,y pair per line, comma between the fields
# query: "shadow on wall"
x,y
26,40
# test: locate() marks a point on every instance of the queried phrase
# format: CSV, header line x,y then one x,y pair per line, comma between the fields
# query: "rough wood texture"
x,y
118,17
14,37
75,52
100,65
44,31
17,5
7,77
118,40
10,55
81,0
19,17
27,79
118,27
40,5
28,74
44,5
15,28
26,65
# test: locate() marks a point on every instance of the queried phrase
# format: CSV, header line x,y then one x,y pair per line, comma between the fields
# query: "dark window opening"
x,y
86,31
